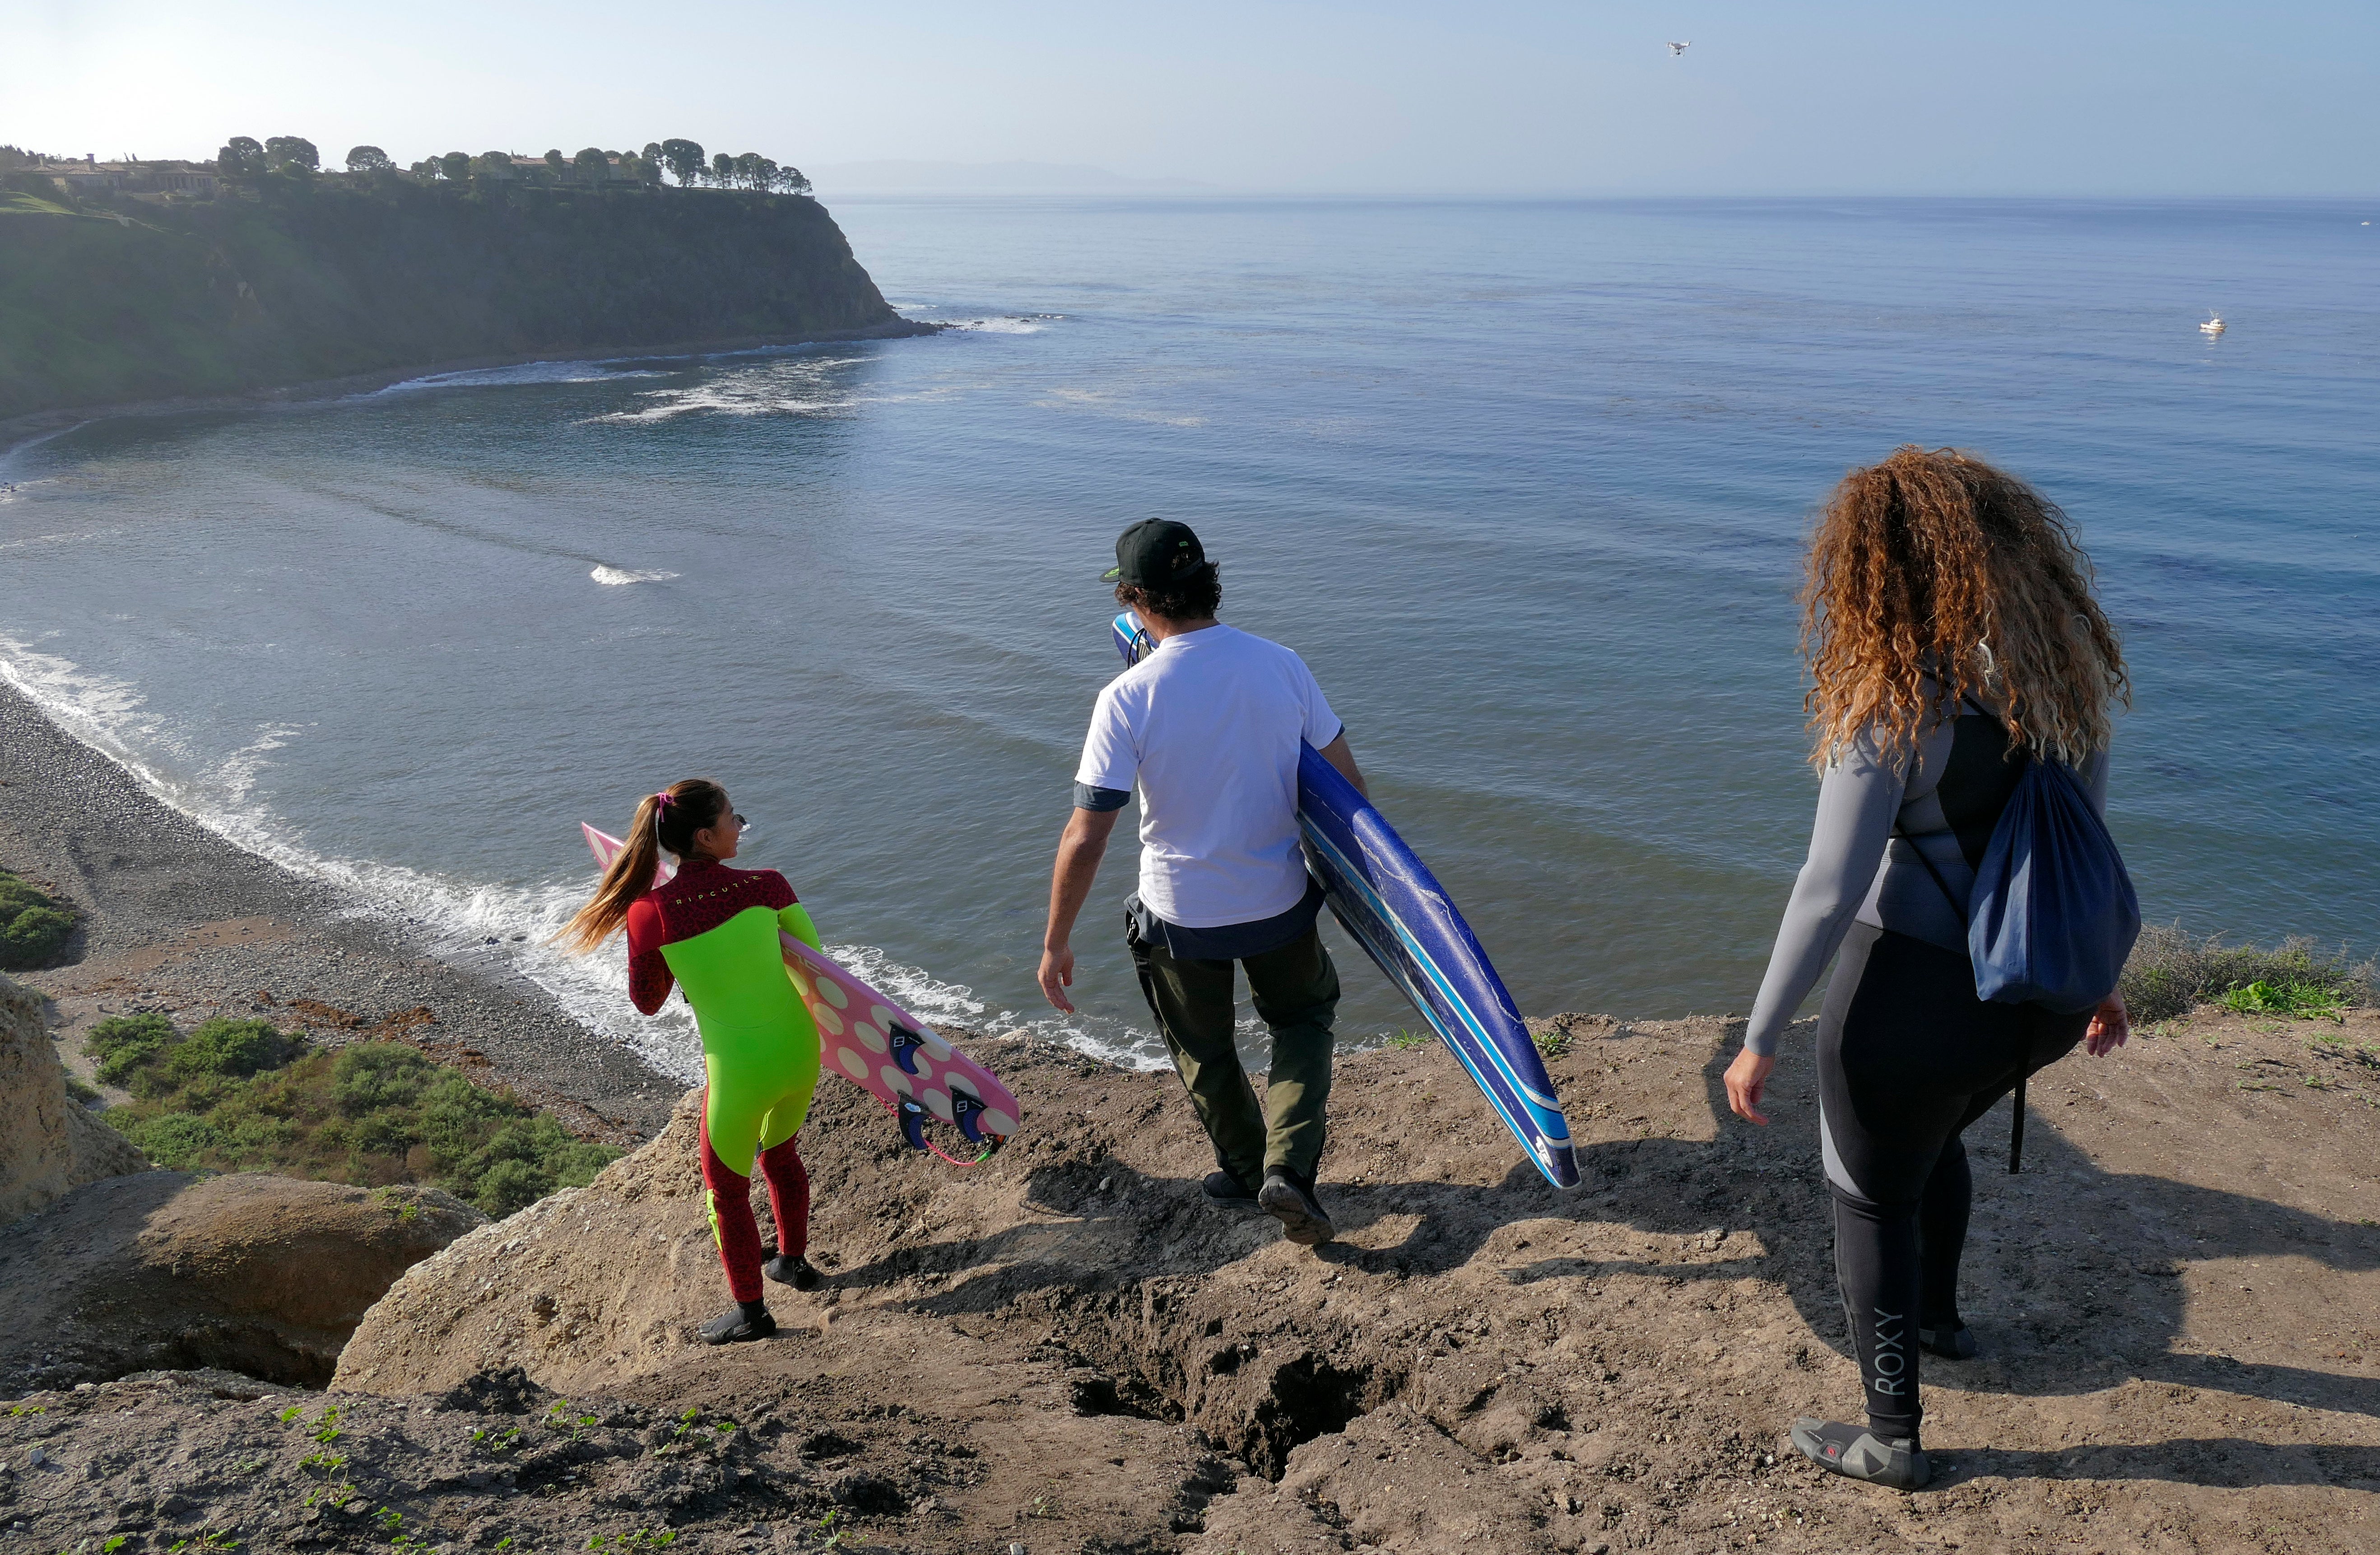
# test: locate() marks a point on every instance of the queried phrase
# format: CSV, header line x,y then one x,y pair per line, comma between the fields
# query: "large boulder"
x,y
581,1289
257,1274
48,1145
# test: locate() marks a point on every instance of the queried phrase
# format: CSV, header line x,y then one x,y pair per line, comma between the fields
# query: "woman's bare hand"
x,y
2111,1024
1746,1078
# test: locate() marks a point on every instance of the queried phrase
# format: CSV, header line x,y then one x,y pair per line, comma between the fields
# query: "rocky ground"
x,y
1064,1350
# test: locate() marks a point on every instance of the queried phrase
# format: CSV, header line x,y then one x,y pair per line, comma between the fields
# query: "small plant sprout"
x,y
1404,1040
292,1413
326,1425
27,1409
559,1418
498,1442
826,1527
1041,1507
210,1538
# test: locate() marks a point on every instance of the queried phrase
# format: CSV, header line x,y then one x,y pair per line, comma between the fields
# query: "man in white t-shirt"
x,y
1209,725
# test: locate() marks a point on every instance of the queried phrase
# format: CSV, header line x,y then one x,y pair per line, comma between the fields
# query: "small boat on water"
x,y
2214,325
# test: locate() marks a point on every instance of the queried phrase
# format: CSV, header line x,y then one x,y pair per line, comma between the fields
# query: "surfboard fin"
x,y
905,1044
964,1111
913,1117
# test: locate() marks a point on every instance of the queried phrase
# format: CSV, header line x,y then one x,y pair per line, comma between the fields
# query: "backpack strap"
x,y
2016,1112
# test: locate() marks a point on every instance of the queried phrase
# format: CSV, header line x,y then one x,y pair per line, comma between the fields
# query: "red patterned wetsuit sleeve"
x,y
702,897
648,974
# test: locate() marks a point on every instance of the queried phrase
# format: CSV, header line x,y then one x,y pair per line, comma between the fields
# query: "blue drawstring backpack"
x,y
2053,915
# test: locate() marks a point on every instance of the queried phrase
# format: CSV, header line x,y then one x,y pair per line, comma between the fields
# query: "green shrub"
x,y
33,926
457,1118
2304,1001
239,1094
509,1185
176,1140
2171,972
122,1043
372,1076
389,1132
234,1048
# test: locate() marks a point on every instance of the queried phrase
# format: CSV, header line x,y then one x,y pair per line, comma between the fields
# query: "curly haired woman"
x,y
1950,627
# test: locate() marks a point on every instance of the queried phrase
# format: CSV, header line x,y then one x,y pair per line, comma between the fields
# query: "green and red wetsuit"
x,y
713,932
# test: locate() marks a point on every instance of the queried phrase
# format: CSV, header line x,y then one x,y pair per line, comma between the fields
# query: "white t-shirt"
x,y
1209,726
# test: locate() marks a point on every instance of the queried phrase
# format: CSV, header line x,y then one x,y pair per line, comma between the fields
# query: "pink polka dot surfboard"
x,y
871,1040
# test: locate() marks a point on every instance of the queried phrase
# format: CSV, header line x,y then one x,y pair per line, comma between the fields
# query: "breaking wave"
x,y
615,578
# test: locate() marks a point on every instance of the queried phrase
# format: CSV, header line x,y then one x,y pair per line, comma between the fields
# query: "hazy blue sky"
x,y
2086,97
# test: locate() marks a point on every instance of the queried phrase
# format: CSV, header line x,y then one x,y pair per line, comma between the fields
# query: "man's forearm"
x,y
1077,867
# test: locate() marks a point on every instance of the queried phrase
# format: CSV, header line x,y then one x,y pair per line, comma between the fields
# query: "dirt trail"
x,y
2178,1300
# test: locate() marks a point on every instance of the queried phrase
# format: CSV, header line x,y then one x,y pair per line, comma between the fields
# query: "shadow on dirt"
x,y
2065,1303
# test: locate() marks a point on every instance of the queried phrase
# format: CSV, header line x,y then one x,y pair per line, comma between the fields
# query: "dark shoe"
x,y
1955,1344
1222,1188
1856,1453
1292,1203
792,1268
738,1323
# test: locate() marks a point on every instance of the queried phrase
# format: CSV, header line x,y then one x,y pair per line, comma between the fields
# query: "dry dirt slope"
x,y
2179,1301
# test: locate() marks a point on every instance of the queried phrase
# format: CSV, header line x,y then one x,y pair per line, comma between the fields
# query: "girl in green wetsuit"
x,y
713,930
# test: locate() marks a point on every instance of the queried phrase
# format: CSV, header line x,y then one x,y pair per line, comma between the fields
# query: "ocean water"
x,y
1526,484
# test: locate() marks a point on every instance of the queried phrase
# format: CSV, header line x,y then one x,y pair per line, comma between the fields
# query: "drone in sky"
x,y
1676,50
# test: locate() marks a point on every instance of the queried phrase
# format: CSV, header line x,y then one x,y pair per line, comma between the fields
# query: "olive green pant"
x,y
1296,990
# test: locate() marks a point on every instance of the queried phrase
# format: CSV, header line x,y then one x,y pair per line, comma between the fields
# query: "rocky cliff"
x,y
140,301
48,1143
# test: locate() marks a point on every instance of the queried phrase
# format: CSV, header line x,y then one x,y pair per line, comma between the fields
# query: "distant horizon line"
x,y
1225,191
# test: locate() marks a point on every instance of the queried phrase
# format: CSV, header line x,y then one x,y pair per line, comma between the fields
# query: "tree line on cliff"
x,y
295,160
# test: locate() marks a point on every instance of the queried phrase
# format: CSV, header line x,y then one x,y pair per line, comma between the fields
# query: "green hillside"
x,y
137,301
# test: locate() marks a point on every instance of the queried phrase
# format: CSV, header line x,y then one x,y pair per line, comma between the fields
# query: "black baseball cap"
x,y
1154,553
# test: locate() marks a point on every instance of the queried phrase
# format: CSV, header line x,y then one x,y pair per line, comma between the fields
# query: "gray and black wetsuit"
x,y
1908,1056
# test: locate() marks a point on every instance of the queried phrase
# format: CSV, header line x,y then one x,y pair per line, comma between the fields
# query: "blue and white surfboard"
x,y
1390,903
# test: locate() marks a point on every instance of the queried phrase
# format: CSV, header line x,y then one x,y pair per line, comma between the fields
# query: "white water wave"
x,y
458,918
1003,323
526,372
616,578
757,394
